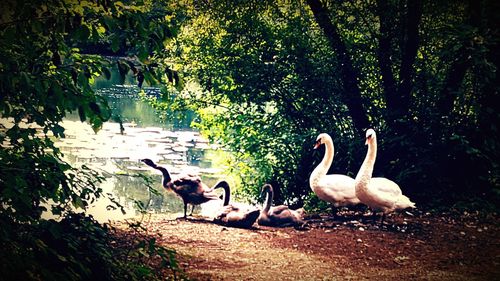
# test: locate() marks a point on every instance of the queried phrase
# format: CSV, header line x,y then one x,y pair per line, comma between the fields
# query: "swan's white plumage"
x,y
334,188
380,194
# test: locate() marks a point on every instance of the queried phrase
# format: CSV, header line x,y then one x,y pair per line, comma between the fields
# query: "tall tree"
x,y
383,63
351,94
400,103
463,59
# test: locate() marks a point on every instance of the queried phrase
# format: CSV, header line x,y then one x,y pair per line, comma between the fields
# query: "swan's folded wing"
x,y
192,178
339,187
187,184
336,182
244,207
384,185
381,201
277,210
383,194
287,217
224,210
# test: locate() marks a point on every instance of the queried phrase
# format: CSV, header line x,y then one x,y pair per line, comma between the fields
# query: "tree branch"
x,y
458,68
351,95
401,102
384,53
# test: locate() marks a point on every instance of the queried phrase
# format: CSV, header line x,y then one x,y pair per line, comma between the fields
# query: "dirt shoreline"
x,y
423,247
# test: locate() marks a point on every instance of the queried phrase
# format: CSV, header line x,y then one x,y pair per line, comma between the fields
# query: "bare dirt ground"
x,y
421,247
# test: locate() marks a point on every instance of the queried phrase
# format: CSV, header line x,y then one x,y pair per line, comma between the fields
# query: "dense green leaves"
x,y
78,248
275,74
44,75
265,78
50,54
269,76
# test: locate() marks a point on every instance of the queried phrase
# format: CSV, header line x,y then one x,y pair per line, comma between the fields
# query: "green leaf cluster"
x,y
80,248
272,75
51,52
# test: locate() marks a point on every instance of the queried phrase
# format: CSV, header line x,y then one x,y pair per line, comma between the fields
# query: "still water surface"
x,y
172,144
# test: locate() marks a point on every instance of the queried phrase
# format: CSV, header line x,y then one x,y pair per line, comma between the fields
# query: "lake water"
x,y
172,144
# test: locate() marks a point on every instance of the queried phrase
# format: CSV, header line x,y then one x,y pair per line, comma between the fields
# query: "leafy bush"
x,y
80,248
275,74
50,54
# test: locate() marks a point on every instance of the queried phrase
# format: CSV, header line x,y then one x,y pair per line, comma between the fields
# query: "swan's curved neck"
x,y
227,191
325,164
269,201
166,175
365,172
227,194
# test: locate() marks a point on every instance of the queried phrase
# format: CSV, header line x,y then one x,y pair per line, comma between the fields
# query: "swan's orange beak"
x,y
317,144
368,138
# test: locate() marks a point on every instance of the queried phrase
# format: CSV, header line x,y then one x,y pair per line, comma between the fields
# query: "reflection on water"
x,y
117,155
125,103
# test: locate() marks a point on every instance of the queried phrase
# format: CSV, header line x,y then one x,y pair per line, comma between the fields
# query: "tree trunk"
x,y
384,54
454,79
400,103
458,68
397,91
490,107
352,94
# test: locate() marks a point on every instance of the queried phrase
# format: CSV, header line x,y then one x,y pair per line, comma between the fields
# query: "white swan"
x,y
380,194
278,216
235,215
334,188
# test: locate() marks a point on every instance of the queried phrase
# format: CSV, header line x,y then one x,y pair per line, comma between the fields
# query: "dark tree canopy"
x,y
422,73
265,78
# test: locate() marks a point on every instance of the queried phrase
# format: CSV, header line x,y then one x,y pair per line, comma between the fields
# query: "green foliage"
x,y
51,52
79,248
40,252
314,205
264,85
270,82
